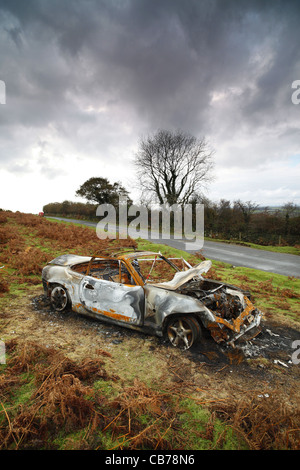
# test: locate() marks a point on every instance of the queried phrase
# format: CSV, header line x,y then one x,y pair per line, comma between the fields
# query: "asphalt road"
x,y
279,263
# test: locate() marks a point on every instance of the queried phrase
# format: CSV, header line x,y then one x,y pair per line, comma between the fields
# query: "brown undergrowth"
x,y
61,395
44,394
265,421
28,242
62,400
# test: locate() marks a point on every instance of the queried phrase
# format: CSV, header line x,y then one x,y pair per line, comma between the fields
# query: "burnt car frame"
x,y
113,289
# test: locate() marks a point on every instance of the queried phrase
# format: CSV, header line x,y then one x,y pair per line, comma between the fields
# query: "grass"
x,y
292,250
272,293
134,396
168,251
205,431
59,404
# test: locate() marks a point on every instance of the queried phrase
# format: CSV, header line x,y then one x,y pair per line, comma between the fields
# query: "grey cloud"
x,y
21,168
16,35
149,52
149,64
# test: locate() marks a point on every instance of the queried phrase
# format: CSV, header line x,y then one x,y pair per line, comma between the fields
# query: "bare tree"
x,y
173,167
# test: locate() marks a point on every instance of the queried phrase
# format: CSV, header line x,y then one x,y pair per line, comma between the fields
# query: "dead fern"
x,y
62,398
265,422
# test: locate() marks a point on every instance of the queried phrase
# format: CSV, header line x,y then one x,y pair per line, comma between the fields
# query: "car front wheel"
x,y
59,298
183,332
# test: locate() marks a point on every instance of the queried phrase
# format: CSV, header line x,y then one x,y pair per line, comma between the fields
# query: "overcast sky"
x,y
85,79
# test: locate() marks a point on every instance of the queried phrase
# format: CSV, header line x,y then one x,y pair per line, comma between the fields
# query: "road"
x,y
279,263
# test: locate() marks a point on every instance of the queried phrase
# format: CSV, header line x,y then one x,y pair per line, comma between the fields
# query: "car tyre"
x,y
59,298
183,331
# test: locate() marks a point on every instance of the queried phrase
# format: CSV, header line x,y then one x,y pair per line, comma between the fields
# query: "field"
x,y
69,382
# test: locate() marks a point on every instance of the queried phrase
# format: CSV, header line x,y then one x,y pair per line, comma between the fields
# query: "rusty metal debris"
x,y
119,289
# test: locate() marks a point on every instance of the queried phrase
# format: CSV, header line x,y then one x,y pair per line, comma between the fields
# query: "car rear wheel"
x,y
183,331
59,298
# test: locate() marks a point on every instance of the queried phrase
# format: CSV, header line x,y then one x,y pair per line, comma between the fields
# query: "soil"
x,y
262,364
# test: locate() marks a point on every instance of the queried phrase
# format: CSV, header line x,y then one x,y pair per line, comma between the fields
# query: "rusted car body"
x,y
115,289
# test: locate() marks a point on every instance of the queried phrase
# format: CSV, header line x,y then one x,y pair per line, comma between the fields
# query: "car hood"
x,y
69,260
182,277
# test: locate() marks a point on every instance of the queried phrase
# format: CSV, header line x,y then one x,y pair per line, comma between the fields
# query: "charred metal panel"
x,y
160,303
182,277
114,300
67,260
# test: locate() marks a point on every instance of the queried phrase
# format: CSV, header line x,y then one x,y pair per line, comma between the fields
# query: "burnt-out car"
x,y
150,293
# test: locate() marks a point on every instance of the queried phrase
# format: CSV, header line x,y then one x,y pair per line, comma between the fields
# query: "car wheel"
x,y
59,298
197,326
183,331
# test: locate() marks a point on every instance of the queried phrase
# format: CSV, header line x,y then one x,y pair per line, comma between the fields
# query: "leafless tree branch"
x,y
173,166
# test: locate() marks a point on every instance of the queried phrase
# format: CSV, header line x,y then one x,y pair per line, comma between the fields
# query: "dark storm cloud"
x,y
153,63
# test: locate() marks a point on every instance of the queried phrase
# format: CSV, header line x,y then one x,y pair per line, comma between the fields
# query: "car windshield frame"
x,y
154,257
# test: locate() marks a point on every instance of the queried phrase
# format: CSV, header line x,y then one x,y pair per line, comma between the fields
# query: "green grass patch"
x,y
167,251
292,250
204,430
108,389
274,293
23,393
